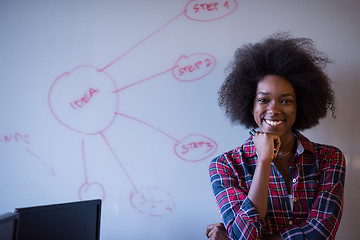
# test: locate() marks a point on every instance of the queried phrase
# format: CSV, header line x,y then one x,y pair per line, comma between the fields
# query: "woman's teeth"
x,y
273,123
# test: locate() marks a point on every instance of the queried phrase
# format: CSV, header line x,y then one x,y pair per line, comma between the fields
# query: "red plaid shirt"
x,y
318,175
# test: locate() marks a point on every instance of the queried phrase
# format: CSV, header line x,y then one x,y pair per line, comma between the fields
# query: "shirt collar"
x,y
303,143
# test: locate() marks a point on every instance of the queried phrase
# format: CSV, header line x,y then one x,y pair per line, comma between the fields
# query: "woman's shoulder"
x,y
329,154
317,147
237,154
227,156
323,152
327,149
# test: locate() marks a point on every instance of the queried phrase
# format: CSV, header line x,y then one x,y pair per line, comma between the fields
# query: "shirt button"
x,y
294,180
290,222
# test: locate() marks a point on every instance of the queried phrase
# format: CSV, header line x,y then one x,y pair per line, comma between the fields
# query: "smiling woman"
x,y
295,192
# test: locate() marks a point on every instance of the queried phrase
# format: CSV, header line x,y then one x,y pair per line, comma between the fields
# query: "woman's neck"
x,y
288,144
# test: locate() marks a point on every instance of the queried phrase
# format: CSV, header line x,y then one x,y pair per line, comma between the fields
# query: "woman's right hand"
x,y
216,231
265,143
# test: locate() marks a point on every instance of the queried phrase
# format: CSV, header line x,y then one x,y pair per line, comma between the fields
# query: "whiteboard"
x,y
118,100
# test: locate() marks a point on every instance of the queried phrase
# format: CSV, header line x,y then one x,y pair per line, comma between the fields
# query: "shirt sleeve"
x,y
324,217
239,215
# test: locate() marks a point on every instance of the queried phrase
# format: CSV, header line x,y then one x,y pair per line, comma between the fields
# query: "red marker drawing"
x,y
78,97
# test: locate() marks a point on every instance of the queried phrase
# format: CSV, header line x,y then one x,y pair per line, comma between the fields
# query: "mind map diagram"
x,y
79,95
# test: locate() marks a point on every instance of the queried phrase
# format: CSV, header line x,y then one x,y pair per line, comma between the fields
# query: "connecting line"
x,y
84,161
139,43
50,168
141,81
147,124
119,162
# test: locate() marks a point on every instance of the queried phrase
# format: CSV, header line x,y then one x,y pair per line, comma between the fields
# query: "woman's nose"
x,y
274,108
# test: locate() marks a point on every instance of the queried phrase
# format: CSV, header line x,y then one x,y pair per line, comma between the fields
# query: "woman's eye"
x,y
263,100
286,101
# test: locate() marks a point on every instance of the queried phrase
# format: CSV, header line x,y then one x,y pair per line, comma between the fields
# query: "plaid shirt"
x,y
318,175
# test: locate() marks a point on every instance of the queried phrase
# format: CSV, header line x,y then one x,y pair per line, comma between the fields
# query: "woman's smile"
x,y
274,122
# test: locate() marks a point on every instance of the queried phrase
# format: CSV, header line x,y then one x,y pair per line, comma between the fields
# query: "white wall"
x,y
128,141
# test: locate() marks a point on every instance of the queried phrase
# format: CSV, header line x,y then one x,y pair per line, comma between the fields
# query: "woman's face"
x,y
275,105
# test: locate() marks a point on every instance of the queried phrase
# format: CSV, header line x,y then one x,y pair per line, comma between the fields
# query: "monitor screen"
x,y
75,220
9,226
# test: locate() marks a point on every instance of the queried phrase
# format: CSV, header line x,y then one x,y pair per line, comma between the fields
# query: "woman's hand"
x,y
216,231
265,144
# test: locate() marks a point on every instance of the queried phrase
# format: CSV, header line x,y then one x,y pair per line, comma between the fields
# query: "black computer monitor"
x,y
9,226
74,220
